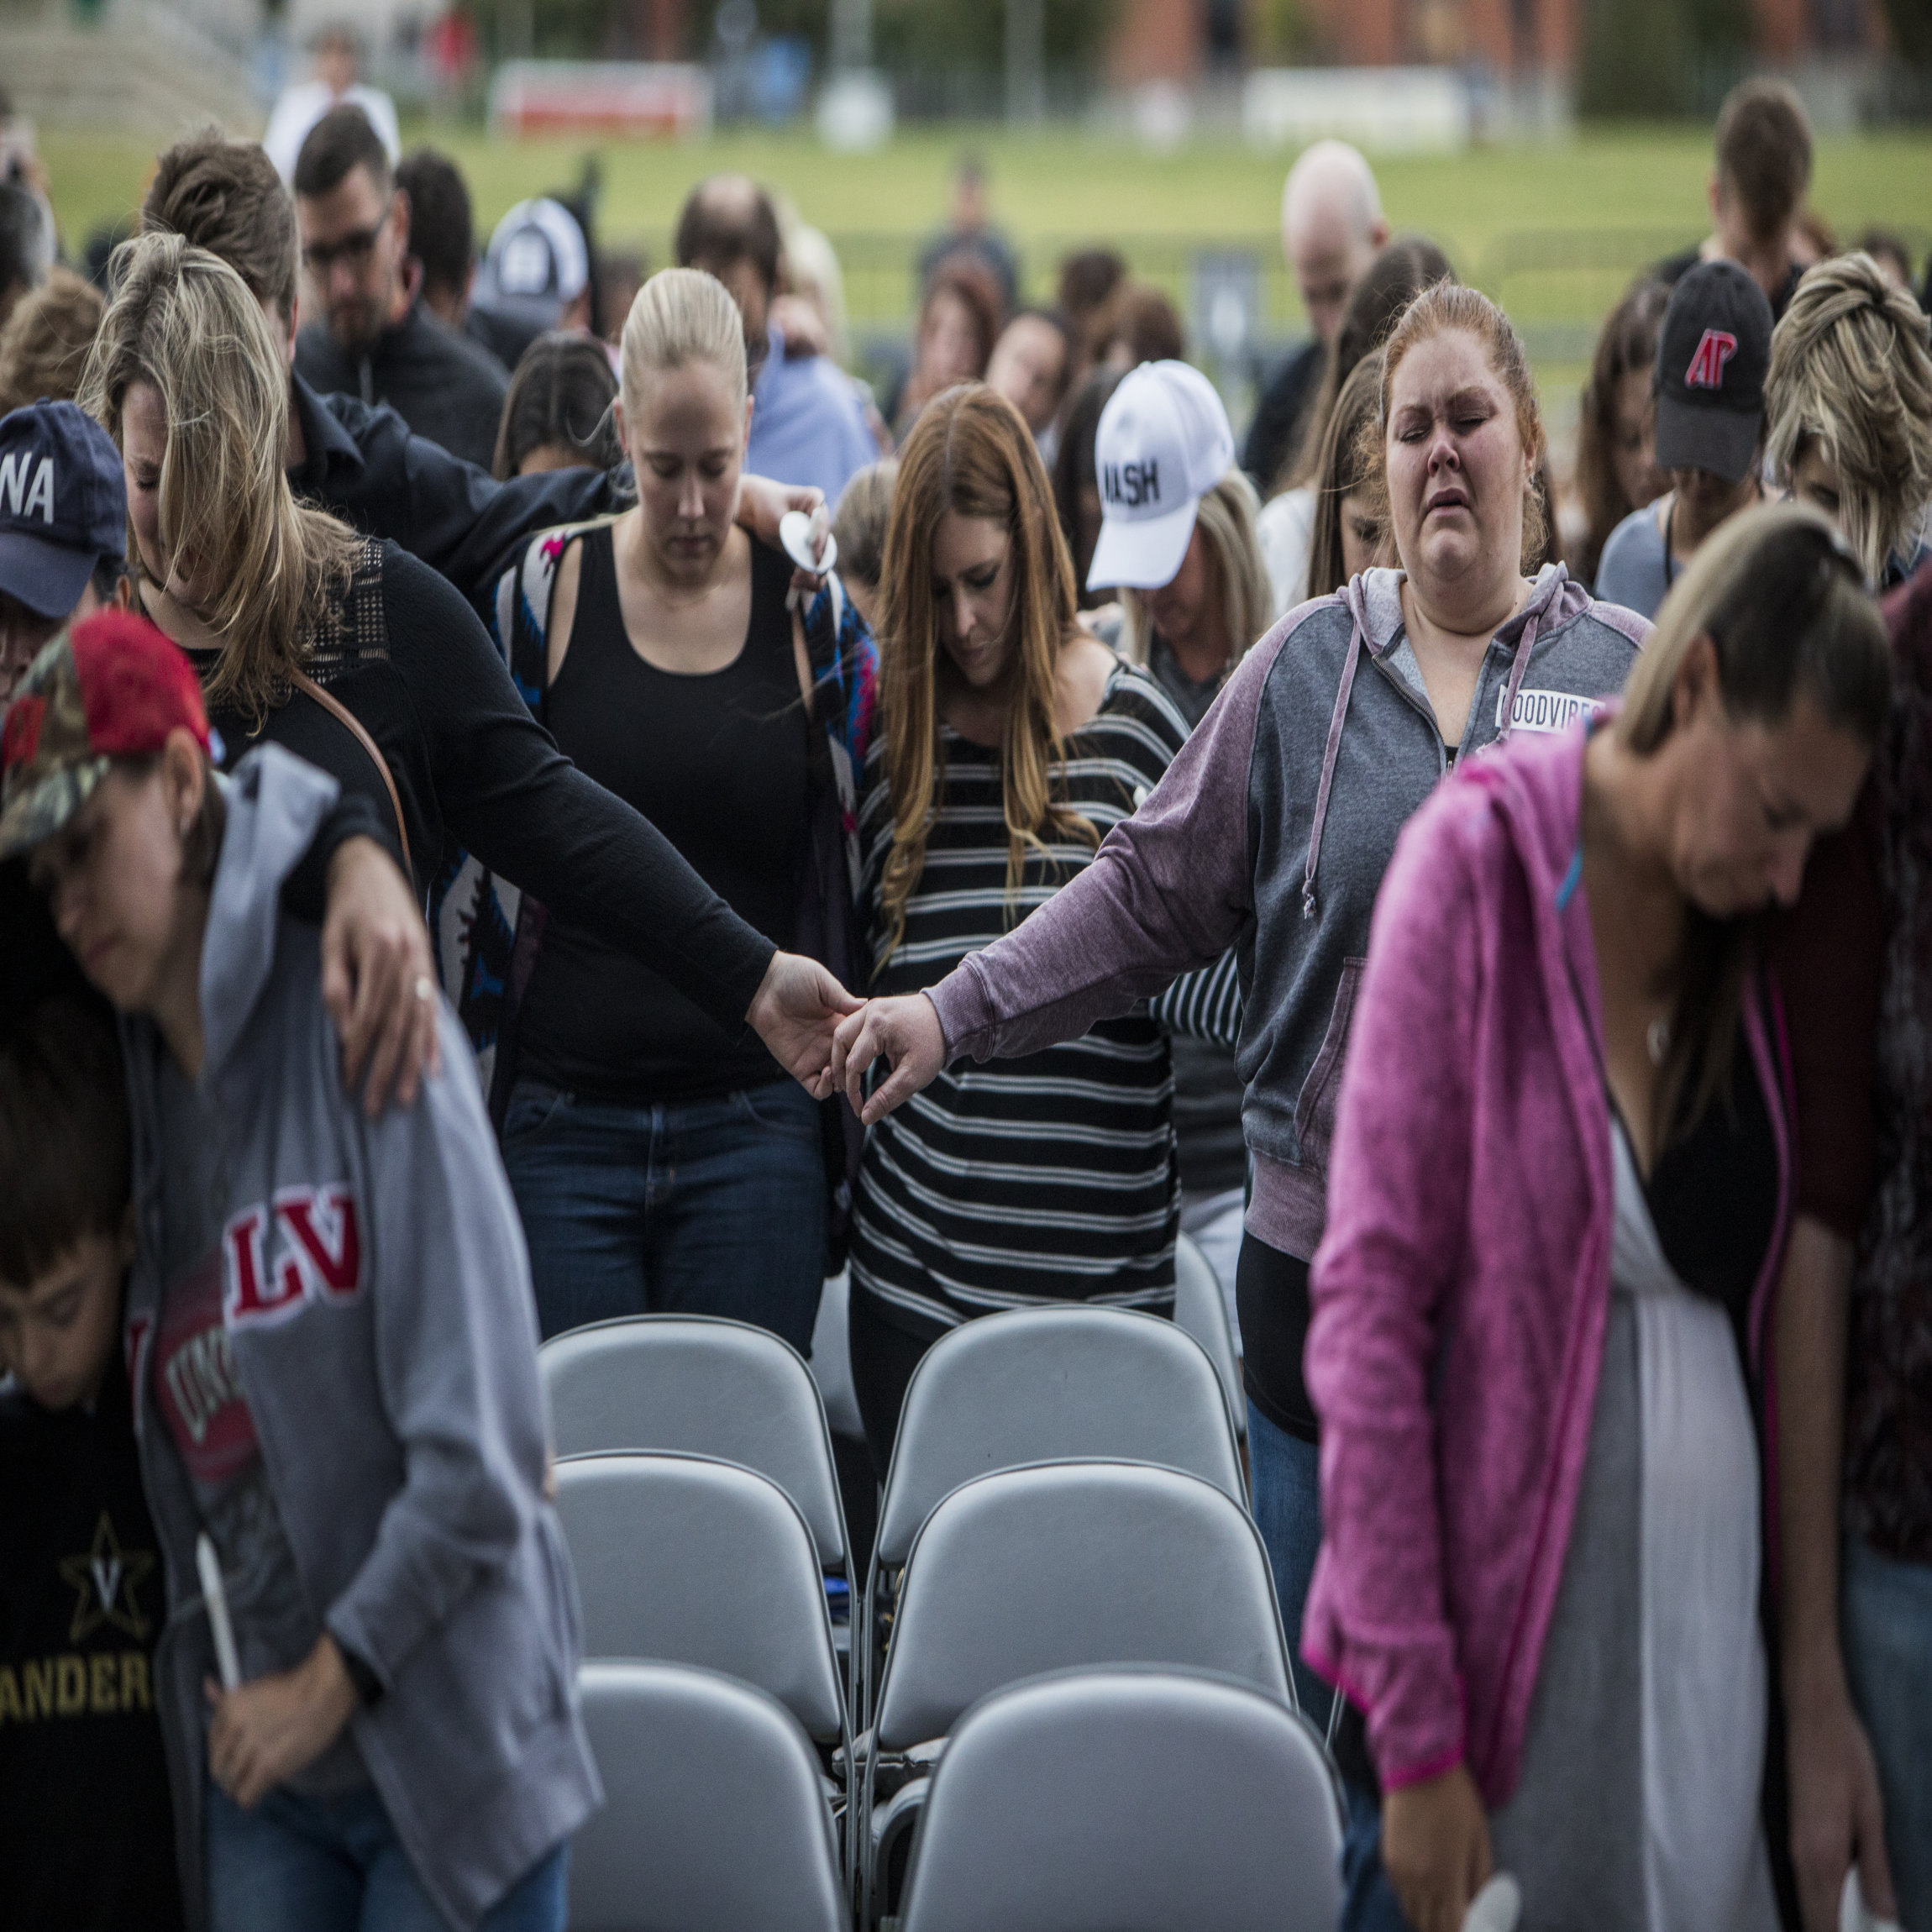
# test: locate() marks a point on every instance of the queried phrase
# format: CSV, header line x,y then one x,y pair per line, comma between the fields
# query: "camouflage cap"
x,y
110,686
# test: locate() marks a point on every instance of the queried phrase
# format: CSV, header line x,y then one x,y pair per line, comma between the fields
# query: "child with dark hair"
x,y
86,1834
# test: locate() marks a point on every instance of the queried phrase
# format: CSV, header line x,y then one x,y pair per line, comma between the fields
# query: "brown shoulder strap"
x,y
344,716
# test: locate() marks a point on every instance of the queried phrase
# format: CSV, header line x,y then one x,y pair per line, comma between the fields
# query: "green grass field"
x,y
1555,231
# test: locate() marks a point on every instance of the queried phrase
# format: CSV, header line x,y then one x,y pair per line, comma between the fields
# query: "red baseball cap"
x,y
110,686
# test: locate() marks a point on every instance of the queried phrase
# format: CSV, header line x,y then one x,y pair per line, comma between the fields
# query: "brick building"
x,y
1181,40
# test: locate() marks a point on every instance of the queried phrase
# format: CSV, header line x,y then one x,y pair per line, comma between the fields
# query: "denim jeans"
x,y
335,1865
1885,1619
1368,1900
1285,1474
694,1207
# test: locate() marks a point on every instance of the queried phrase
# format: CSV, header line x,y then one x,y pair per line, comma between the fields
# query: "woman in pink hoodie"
x,y
1556,1199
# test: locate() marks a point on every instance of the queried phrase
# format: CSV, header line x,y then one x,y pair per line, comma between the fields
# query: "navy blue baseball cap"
x,y
63,505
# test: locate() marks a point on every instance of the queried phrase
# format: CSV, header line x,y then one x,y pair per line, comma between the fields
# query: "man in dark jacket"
x,y
378,340
358,459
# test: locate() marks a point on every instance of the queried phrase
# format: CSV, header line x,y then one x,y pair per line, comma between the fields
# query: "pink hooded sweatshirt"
x,y
1461,1289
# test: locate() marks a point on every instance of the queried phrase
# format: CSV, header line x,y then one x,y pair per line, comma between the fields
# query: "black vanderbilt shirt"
x,y
87,1832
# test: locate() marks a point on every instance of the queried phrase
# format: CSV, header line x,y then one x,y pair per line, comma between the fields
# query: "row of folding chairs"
x,y
1122,1799
984,1572
988,1398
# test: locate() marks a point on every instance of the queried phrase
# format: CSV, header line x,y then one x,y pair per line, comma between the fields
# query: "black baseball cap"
x,y
1712,359
63,505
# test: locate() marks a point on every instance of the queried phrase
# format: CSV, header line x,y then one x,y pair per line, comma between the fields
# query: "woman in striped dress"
x,y
1012,741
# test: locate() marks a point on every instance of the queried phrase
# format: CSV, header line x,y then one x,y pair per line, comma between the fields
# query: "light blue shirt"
x,y
1634,569
807,422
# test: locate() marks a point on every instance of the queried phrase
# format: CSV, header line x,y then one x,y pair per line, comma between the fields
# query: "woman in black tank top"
x,y
660,1162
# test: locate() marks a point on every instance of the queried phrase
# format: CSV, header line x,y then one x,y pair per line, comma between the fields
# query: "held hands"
x,y
267,1731
378,980
795,1012
906,1031
1435,1849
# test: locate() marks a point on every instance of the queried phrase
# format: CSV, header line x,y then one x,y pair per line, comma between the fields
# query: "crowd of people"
x,y
472,866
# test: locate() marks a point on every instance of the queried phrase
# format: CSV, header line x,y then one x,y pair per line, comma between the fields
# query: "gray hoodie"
x,y
392,1383
1270,832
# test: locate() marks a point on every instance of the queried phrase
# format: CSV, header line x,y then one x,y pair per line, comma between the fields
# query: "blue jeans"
x,y
694,1207
1286,1475
335,1865
1368,1900
1886,1618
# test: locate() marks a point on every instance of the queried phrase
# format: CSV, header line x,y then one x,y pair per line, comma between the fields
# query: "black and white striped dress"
x,y
1046,1178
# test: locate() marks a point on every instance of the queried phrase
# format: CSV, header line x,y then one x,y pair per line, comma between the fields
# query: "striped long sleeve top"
x,y
1050,1178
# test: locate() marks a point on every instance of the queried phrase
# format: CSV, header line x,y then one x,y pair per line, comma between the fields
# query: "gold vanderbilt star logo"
x,y
105,1578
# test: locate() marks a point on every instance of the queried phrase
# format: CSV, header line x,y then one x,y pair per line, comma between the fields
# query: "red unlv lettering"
x,y
327,1245
319,1255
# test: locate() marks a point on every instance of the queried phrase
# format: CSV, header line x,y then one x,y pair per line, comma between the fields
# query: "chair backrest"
x,y
685,1560
1200,1311
1128,1801
698,1385
1071,1563
714,1814
1034,1384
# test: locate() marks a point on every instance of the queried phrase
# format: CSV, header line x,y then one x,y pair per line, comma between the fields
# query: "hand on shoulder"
x,y
1080,677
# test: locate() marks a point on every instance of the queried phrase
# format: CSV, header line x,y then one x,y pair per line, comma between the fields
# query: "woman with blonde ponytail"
x,y
1011,741
663,1162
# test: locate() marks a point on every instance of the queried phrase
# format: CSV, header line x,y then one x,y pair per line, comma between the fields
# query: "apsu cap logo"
x,y
1706,371
1130,485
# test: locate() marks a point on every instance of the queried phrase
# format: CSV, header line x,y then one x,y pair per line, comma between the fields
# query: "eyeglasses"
x,y
355,248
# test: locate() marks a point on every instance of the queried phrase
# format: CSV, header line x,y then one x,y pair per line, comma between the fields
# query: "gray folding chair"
x,y
683,1559
1033,1385
698,1385
1201,1311
713,1813
1047,1568
1124,1800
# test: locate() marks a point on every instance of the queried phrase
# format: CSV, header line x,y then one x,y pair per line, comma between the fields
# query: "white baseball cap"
x,y
537,263
1163,442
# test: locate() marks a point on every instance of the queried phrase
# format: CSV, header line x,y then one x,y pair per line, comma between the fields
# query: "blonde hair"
x,y
1780,599
45,342
682,316
971,452
1450,305
1850,370
183,321
1226,518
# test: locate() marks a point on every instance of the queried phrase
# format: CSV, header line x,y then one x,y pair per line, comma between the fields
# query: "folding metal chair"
x,y
1128,1800
698,1385
1200,1310
713,1812
683,1559
1043,1568
1031,1386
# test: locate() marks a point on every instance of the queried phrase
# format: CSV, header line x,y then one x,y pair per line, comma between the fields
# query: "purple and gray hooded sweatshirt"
x,y
1270,833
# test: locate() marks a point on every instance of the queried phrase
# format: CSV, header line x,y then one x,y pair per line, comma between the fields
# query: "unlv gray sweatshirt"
x,y
376,1307
1270,832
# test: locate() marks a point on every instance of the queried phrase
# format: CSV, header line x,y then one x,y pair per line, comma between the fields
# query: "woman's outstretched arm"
x,y
1170,889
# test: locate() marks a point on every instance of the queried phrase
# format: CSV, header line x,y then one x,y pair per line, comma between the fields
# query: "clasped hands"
x,y
905,1031
825,1039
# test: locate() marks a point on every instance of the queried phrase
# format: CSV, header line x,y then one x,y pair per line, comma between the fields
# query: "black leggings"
x,y
883,1358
